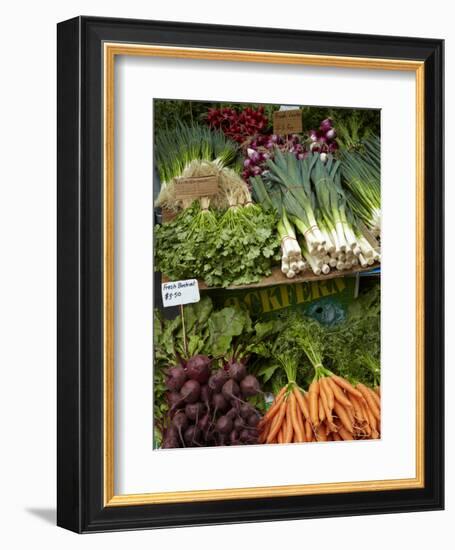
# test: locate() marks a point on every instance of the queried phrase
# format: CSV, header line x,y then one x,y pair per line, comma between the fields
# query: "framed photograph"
x,y
250,274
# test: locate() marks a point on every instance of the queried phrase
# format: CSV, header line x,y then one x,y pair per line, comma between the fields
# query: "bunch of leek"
x,y
292,261
308,195
361,171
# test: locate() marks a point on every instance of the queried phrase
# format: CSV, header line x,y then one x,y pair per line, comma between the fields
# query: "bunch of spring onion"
x,y
361,175
196,151
309,197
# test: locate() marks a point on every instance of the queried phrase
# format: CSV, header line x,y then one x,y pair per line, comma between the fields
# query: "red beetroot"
x,y
230,389
190,391
237,371
217,380
250,386
198,368
175,378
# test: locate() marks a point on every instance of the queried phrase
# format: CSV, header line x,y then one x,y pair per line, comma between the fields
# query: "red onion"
x,y
326,124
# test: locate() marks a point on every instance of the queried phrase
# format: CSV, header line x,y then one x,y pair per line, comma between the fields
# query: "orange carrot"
x,y
328,391
336,436
350,412
340,411
358,414
275,406
325,403
302,403
295,419
345,434
301,421
313,394
277,422
308,431
264,433
367,425
321,410
288,429
281,436
343,383
377,389
371,418
375,397
338,393
370,401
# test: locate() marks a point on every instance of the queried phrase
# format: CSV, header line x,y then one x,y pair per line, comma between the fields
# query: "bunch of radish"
x,y
209,407
238,125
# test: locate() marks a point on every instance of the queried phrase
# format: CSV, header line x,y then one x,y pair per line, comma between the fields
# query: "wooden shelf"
x,y
278,278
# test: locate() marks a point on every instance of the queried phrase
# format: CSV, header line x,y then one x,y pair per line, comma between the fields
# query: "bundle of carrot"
x,y
287,419
332,410
340,411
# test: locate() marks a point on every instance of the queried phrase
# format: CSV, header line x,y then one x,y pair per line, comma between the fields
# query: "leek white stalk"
x,y
362,260
310,259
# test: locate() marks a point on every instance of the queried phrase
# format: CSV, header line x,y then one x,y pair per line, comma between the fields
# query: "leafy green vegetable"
x,y
353,348
169,347
224,325
236,249
303,347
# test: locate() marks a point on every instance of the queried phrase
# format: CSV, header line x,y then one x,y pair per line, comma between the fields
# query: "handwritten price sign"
x,y
178,293
287,122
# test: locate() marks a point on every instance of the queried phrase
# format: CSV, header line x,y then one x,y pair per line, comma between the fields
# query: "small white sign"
x,y
178,293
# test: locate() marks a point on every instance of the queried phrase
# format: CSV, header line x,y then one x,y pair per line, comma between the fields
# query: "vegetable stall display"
x,y
201,371
214,391
311,200
279,209
325,404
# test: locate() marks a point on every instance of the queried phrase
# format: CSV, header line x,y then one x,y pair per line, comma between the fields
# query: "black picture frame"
x,y
80,282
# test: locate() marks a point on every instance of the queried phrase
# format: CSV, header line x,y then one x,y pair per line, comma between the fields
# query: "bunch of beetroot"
x,y
324,140
209,407
262,148
238,125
